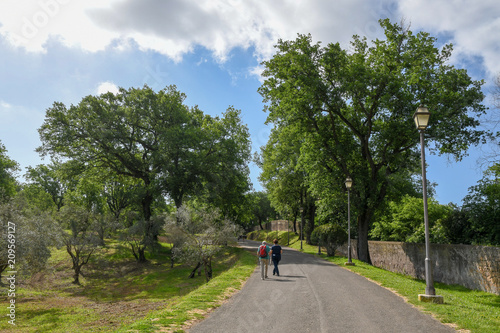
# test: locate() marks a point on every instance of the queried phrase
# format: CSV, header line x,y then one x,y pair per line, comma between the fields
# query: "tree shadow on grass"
x,y
482,297
47,319
109,280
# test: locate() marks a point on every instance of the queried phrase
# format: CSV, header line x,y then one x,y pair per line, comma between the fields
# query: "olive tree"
x,y
26,235
200,235
79,236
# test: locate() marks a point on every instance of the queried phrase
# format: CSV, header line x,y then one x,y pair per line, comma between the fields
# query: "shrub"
x,y
331,236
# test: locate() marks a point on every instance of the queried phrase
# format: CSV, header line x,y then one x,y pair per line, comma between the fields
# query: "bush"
x,y
315,235
331,236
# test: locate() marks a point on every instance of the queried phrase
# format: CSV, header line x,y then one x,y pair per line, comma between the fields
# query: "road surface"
x,y
313,295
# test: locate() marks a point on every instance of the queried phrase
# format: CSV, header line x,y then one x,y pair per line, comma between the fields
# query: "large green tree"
x,y
169,148
356,105
281,174
223,163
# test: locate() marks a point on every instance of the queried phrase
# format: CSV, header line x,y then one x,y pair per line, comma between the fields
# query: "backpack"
x,y
262,251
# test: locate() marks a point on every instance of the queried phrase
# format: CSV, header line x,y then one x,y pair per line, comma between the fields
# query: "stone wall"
x,y
276,225
474,267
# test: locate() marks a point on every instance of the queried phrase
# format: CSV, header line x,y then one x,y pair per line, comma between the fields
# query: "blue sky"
x,y
63,50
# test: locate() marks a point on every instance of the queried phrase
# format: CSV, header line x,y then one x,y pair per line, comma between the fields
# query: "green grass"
x,y
118,294
195,304
473,310
476,311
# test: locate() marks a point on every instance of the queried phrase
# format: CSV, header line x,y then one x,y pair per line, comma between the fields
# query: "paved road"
x,y
312,295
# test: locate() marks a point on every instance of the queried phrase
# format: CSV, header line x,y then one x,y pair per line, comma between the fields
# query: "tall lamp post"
x,y
319,241
421,117
348,185
287,228
301,225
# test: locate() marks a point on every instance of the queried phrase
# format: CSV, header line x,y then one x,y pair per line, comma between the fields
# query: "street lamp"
x,y
421,117
348,185
301,225
287,228
319,239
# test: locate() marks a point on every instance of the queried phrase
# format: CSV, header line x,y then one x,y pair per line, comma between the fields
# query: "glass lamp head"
x,y
421,117
348,183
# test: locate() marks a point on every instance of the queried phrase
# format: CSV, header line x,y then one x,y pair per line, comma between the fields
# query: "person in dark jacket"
x,y
276,252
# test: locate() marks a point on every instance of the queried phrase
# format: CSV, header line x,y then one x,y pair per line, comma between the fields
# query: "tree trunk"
x,y
310,222
149,233
172,259
193,272
2,268
141,254
363,228
101,232
207,263
77,275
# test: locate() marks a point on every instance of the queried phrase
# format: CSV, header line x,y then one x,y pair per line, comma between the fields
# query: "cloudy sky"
x,y
63,50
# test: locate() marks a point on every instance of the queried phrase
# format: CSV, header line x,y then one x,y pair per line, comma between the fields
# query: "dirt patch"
x,y
112,315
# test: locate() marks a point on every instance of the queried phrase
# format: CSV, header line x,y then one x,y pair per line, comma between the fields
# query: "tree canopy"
x,y
353,108
8,170
404,221
162,147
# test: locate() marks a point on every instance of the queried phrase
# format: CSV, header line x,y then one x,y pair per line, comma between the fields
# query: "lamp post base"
x,y
349,264
431,298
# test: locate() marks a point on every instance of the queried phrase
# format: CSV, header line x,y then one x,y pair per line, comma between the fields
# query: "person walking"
x,y
263,253
276,252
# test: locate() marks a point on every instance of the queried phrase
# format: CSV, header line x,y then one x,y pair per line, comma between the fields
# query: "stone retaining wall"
x,y
474,267
276,225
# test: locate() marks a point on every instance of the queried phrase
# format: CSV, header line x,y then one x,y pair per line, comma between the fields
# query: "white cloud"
x,y
176,27
5,105
105,87
31,23
473,25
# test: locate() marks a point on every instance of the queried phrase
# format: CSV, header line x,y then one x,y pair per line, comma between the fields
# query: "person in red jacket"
x,y
263,253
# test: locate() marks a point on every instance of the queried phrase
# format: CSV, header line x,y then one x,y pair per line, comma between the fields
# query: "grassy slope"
x,y
116,292
193,306
472,310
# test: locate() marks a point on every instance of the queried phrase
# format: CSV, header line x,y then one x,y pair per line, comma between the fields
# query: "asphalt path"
x,y
313,295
